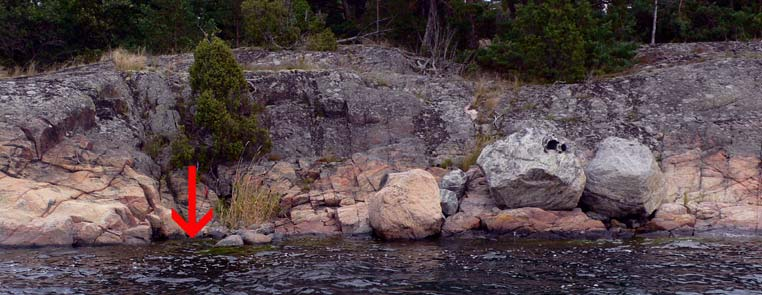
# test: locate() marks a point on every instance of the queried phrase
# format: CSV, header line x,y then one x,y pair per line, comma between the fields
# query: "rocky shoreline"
x,y
360,139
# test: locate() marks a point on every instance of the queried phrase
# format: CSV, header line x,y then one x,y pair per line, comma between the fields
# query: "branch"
x,y
361,36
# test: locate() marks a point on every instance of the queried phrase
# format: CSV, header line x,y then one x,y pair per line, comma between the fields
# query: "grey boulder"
x,y
449,202
624,179
454,181
533,168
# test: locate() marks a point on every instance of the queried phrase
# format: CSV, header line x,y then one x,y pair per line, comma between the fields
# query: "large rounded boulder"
x,y
533,168
407,207
623,180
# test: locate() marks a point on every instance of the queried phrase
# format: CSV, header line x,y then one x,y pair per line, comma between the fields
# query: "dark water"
x,y
728,266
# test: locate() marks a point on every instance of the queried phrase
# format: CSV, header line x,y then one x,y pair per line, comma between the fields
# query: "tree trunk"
x,y
237,21
653,29
512,8
680,9
472,39
348,14
431,25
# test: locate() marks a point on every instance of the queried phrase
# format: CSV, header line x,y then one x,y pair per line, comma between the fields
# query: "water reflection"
x,y
362,266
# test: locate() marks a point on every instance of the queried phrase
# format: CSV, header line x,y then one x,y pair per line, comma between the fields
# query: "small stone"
x,y
216,232
230,241
449,202
252,238
266,228
454,181
459,223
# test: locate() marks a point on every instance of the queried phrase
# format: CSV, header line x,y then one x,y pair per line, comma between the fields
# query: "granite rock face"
x,y
84,154
623,179
695,105
71,164
533,168
402,119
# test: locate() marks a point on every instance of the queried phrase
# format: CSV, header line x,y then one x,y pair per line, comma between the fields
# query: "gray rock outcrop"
x,y
623,179
532,168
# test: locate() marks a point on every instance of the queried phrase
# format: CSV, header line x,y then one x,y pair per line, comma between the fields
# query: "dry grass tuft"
x,y
489,90
481,142
127,61
251,203
30,70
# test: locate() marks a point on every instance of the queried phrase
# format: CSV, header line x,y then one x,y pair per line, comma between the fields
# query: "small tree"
x,y
285,24
557,40
223,109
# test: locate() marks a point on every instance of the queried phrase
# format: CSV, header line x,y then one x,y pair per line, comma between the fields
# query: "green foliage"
x,y
182,152
222,110
215,69
211,113
576,42
167,26
281,24
154,145
51,33
323,41
699,20
446,164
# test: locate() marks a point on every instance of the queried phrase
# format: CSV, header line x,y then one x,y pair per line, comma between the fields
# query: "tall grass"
x,y
18,71
127,61
250,203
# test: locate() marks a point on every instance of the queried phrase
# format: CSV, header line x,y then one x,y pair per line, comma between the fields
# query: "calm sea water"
x,y
446,266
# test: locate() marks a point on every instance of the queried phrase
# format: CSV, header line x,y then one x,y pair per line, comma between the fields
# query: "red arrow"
x,y
191,227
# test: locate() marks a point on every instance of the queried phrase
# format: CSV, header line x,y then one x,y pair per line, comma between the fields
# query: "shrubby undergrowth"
x,y
224,124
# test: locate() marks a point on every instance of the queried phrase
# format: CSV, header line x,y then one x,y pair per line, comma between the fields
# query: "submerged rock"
x,y
458,223
673,218
230,241
407,207
251,237
354,219
532,168
536,220
623,179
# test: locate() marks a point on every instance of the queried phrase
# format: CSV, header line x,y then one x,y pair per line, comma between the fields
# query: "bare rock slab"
x,y
407,207
533,168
